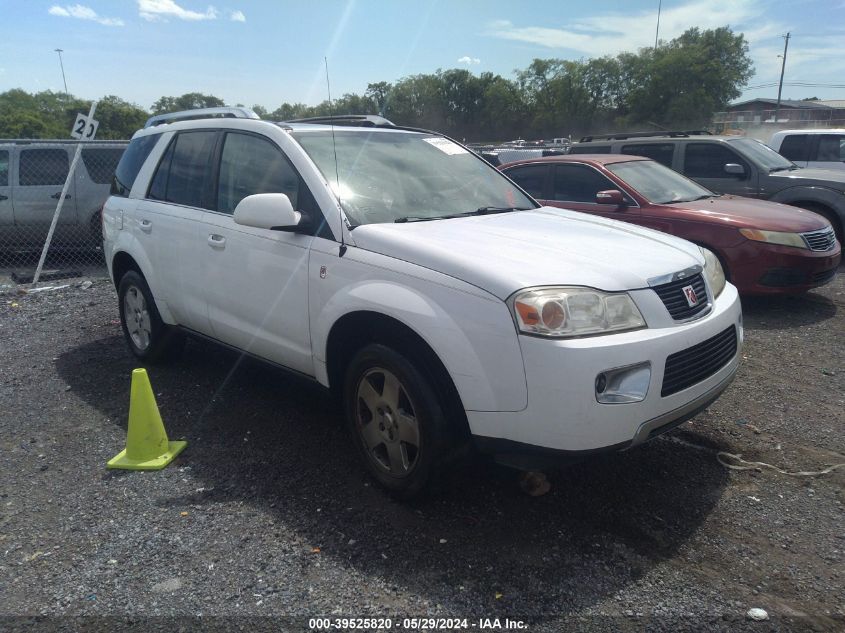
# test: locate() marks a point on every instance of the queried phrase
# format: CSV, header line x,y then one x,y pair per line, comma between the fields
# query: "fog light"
x,y
623,384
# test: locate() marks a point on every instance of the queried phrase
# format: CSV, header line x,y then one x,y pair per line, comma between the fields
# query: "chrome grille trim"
x,y
821,240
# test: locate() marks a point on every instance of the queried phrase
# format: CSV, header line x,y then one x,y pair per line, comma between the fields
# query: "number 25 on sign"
x,y
83,129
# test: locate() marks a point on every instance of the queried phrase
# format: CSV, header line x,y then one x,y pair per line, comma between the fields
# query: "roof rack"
x,y
359,120
626,135
201,113
63,141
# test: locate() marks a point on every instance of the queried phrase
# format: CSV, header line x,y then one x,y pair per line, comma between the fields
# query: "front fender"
x,y
474,339
822,195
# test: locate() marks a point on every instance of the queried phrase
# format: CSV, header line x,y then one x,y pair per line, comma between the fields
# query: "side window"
x,y
794,147
708,160
532,178
601,149
660,152
101,163
250,165
43,167
130,164
184,174
4,168
579,183
831,148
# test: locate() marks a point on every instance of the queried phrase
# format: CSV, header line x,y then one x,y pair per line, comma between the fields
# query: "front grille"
x,y
821,240
694,364
673,297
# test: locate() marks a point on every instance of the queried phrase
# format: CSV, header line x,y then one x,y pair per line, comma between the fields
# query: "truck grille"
x,y
673,297
821,240
694,364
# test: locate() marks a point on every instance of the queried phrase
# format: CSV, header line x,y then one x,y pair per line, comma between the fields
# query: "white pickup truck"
x,y
401,271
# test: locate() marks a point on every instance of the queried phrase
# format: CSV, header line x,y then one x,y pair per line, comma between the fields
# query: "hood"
x,y
506,252
757,214
811,176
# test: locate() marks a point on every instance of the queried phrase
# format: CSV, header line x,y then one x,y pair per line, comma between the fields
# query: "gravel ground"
x,y
267,513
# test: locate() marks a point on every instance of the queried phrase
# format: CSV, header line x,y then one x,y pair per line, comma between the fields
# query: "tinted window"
x,y
708,160
189,173
661,152
601,149
831,148
158,187
130,164
101,163
43,167
794,147
4,169
532,178
579,183
250,165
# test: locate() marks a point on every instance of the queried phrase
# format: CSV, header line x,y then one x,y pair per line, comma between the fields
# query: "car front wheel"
x,y
396,420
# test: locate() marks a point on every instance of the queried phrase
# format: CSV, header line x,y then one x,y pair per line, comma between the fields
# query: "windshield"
x,y
387,175
658,183
763,155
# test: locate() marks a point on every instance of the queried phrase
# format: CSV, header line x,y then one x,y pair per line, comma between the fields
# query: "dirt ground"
x,y
268,515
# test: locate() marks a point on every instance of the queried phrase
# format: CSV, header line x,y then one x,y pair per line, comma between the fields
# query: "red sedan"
x,y
764,247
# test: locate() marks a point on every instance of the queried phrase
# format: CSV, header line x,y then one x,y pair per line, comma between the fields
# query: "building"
x,y
745,115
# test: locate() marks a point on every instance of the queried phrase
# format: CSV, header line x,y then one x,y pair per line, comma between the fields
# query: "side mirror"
x,y
734,169
611,196
269,211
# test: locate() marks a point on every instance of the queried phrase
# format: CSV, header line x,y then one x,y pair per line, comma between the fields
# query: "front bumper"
x,y
763,269
563,415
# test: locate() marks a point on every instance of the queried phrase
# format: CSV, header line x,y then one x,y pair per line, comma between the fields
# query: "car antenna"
x,y
336,171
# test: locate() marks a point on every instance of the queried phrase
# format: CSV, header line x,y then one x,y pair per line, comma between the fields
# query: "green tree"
x,y
118,119
188,101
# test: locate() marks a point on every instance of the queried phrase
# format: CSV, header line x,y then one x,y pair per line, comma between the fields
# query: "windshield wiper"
x,y
465,214
774,169
489,210
417,218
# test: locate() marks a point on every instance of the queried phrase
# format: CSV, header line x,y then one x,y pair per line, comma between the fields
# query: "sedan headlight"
x,y
774,237
713,271
566,312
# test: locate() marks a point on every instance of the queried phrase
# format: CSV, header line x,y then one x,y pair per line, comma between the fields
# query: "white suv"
x,y
437,299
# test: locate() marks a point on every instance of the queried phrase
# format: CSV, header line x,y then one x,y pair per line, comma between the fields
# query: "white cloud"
x,y
159,10
82,12
237,16
469,61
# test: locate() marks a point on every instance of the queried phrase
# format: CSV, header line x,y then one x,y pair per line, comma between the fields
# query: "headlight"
x,y
565,312
774,237
713,272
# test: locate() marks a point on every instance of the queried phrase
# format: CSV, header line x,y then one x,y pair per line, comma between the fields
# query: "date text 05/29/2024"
x,y
415,624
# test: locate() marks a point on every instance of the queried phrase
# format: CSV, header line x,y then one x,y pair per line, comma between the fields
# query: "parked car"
x,y
398,269
764,247
734,165
32,174
823,148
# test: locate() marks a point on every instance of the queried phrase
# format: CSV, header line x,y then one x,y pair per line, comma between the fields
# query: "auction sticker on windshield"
x,y
445,145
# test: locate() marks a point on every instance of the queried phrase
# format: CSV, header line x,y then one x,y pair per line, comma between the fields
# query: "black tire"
x,y
149,338
420,465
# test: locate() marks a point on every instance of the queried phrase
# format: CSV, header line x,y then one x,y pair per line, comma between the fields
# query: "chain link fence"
x,y
33,174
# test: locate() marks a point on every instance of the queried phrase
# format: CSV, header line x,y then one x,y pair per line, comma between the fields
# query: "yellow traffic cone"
x,y
147,446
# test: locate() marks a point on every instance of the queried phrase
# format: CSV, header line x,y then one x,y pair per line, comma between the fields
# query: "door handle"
x,y
216,241
58,195
146,226
2,197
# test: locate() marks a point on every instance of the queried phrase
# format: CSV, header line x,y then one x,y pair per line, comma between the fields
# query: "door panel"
x,y
41,175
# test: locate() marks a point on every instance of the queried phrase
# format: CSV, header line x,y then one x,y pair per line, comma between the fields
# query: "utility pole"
x,y
782,68
657,30
64,81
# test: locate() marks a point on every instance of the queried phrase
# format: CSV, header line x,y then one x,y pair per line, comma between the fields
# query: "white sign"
x,y
83,129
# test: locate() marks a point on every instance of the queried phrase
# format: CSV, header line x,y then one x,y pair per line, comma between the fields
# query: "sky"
x,y
268,52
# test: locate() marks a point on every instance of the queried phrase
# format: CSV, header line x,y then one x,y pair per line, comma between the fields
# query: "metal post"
x,y
59,206
64,81
657,30
782,68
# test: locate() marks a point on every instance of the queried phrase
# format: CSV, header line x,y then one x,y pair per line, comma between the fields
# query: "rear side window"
x,y
660,152
130,164
43,167
831,148
101,163
184,173
794,147
250,165
532,178
708,160
4,168
601,149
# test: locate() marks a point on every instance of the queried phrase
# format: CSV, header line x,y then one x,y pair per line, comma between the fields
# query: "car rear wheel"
x,y
396,420
149,338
